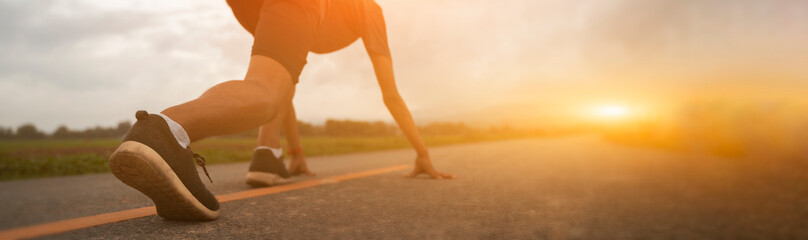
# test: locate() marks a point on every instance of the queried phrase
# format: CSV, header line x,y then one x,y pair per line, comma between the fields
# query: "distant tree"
x,y
6,133
29,131
123,128
63,132
379,128
336,128
308,129
342,128
446,128
503,129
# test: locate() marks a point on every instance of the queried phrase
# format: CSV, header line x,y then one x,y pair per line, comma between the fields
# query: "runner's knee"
x,y
268,101
268,72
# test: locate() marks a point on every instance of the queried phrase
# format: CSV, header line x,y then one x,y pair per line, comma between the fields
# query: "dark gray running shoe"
x,y
266,170
151,161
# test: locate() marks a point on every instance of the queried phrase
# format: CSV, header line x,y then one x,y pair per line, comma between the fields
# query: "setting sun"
x,y
611,111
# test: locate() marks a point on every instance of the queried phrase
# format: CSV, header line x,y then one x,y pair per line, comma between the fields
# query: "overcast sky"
x,y
87,63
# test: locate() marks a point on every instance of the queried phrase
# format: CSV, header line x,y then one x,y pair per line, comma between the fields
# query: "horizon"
x,y
13,130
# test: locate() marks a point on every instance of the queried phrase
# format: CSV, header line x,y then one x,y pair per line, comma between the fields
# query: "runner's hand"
x,y
424,165
298,166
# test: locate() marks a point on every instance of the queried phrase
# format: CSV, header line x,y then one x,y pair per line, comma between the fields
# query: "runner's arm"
x,y
374,36
383,66
290,128
298,164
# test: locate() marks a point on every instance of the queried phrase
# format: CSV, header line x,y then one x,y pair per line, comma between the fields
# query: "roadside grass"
x,y
22,159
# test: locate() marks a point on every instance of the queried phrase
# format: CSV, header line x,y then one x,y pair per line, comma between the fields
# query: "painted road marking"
x,y
105,218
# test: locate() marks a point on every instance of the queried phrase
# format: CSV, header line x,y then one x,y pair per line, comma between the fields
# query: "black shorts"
x,y
282,29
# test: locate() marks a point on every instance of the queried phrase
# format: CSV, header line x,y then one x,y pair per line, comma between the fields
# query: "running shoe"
x,y
266,170
153,162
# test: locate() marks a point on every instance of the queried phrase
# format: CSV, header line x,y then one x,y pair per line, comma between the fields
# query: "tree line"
x,y
29,131
331,127
354,128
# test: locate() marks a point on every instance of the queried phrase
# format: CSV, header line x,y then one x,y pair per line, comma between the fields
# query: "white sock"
x,y
179,133
278,152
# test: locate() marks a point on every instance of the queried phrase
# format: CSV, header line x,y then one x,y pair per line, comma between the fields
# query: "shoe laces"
x,y
200,160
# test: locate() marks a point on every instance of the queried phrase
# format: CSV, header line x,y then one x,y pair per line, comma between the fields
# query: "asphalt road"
x,y
563,188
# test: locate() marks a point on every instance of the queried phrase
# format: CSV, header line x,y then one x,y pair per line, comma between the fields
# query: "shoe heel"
x,y
262,179
141,168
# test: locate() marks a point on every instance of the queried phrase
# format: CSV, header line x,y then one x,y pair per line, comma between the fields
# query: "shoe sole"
x,y
143,169
262,179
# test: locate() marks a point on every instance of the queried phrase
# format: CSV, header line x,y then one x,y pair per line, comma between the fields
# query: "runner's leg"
x,y
283,36
269,134
235,106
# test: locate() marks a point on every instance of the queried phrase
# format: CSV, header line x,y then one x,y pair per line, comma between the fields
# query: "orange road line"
x,y
305,184
105,218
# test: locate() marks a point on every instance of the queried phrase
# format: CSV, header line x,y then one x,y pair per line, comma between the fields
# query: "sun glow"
x,y
613,111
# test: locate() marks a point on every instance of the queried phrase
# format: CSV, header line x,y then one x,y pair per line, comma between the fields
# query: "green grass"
x,y
21,159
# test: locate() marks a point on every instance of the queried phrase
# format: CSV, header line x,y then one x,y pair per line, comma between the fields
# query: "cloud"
x,y
122,59
697,35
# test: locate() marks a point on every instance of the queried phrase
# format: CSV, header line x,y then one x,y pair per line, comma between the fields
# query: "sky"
x,y
83,63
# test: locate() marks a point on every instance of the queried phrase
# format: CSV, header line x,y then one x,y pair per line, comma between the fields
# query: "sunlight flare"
x,y
612,111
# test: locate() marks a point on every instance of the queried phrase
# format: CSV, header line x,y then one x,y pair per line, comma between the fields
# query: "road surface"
x,y
557,188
